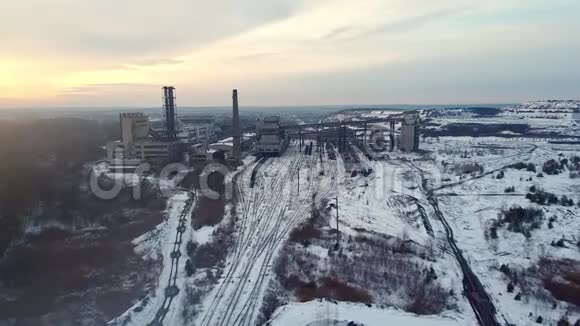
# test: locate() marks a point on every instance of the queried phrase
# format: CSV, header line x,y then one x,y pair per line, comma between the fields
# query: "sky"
x,y
93,53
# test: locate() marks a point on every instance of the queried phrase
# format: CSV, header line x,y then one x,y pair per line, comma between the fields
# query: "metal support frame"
x,y
169,106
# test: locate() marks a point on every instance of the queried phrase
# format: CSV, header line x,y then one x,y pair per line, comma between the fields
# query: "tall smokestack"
x,y
169,105
236,129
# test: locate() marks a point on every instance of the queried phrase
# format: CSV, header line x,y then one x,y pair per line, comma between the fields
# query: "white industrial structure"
x,y
271,140
136,144
133,126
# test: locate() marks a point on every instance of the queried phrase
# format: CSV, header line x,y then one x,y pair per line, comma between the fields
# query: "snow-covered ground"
x,y
159,244
391,201
321,312
471,204
266,213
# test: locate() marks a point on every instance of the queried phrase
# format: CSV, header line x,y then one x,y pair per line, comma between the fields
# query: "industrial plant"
x,y
192,138
186,138
271,139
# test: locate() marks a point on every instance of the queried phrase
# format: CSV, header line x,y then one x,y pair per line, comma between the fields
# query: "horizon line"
x,y
100,107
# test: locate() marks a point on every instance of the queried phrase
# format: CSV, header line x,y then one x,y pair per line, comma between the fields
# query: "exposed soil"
x,y
562,279
331,288
208,211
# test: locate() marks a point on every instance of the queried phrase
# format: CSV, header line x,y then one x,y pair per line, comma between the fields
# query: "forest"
x,y
41,161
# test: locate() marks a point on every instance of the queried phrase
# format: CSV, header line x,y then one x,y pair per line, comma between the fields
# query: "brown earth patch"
x,y
330,288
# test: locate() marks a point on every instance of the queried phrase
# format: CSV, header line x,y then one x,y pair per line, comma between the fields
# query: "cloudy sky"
x,y
287,52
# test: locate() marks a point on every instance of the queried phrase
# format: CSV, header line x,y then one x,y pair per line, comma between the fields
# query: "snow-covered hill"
x,y
551,105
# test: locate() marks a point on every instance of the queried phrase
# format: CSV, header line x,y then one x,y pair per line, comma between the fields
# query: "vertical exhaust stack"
x,y
237,135
169,106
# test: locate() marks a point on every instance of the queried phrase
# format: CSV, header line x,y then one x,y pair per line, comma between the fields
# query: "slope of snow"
x,y
158,244
551,104
319,312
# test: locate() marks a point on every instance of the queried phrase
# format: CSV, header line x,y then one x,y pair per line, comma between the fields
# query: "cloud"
x,y
335,33
151,62
256,56
117,94
99,88
129,28
109,51
418,21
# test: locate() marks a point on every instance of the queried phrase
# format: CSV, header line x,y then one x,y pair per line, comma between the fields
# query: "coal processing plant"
x,y
192,138
175,138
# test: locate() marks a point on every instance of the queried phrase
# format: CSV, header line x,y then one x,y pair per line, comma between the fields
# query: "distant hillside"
x,y
568,105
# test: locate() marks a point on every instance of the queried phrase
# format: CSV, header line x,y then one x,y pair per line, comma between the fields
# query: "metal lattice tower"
x,y
169,106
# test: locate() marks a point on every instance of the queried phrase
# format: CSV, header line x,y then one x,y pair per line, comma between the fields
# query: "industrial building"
x,y
370,133
159,142
140,142
270,137
137,144
409,141
198,129
227,145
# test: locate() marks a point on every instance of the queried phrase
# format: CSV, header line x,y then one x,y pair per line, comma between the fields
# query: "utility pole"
x,y
365,135
298,181
337,232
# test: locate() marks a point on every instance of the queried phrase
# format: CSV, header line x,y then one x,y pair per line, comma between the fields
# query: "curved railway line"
x,y
172,289
265,222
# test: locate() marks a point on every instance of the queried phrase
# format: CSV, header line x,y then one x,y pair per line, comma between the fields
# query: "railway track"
x,y
239,293
262,239
251,306
255,171
474,290
250,231
172,289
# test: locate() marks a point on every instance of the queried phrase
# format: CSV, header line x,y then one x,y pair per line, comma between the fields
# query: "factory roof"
x,y
227,141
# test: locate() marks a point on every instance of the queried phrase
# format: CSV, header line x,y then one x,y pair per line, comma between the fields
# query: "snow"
x,y
203,235
265,216
476,202
227,141
551,104
319,312
318,251
125,178
158,244
390,201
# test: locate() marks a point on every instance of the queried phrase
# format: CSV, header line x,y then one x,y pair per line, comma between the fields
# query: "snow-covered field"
x,y
395,201
473,203
385,203
321,312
